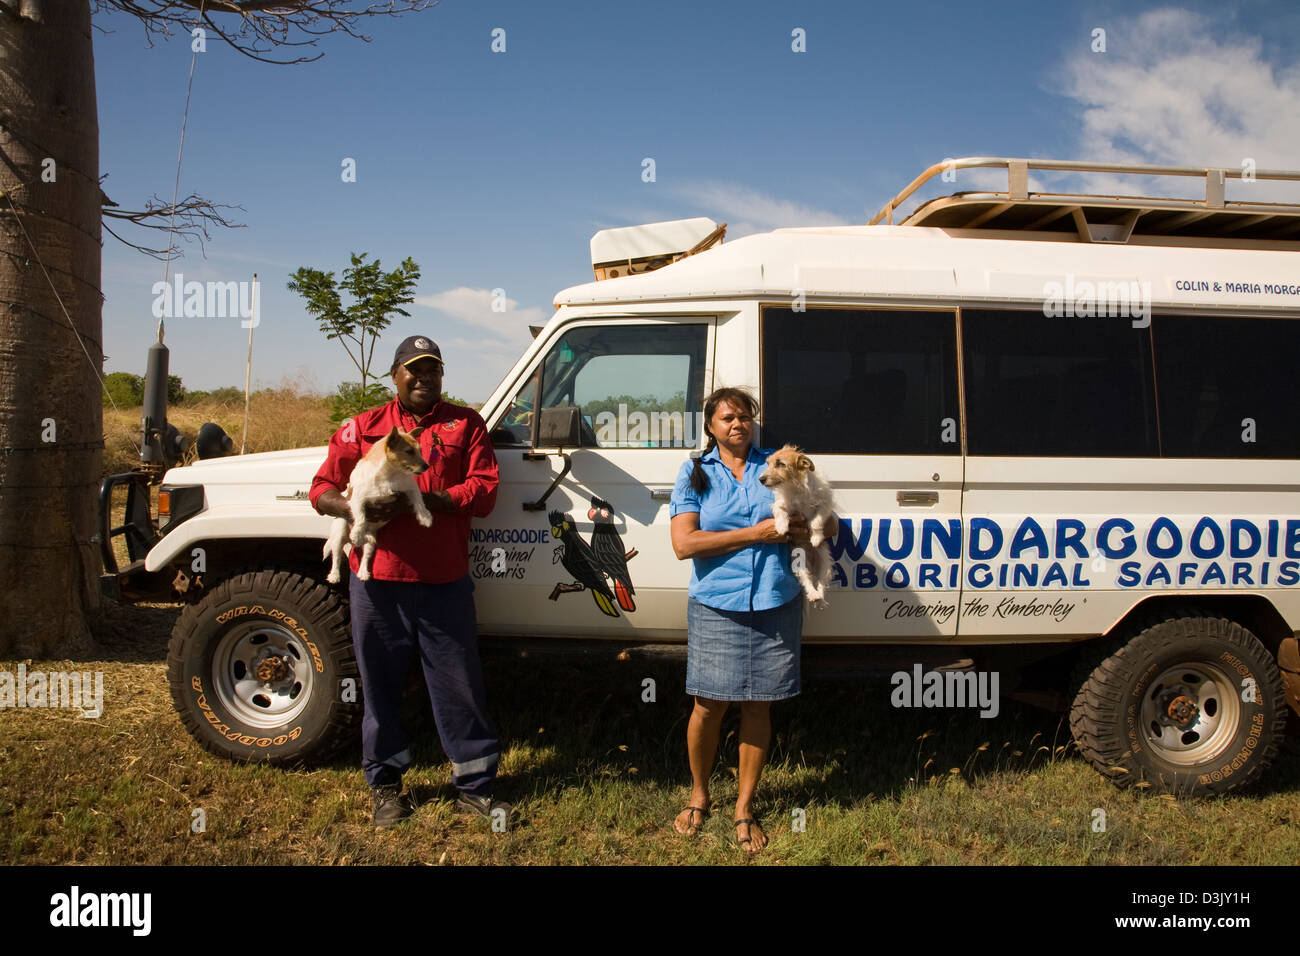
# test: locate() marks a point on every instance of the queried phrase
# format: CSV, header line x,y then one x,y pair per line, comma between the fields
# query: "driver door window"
x,y
638,386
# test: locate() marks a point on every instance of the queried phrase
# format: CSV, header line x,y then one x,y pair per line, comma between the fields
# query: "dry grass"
x,y
598,775
279,418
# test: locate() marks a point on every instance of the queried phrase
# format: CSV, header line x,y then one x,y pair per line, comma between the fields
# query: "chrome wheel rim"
x,y
1190,713
263,674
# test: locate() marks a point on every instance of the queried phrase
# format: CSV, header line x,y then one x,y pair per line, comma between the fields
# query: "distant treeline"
x,y
127,391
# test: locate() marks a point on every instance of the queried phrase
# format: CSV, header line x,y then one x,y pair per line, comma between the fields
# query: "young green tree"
x,y
376,296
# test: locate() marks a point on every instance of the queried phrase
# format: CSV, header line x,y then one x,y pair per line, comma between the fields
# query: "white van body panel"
x,y
883,592
239,521
894,267
249,496
1184,492
884,263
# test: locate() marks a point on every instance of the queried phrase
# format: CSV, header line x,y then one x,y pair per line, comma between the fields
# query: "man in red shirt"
x,y
419,600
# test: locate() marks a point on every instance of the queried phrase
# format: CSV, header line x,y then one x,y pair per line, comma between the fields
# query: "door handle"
x,y
918,498
663,494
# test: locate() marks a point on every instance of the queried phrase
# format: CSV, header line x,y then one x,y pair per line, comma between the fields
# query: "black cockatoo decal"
x,y
590,564
609,551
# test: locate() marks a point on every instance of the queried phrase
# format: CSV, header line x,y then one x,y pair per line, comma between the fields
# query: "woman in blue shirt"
x,y
744,612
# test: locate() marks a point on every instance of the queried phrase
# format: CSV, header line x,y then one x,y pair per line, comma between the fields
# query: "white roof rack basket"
x,y
1102,218
634,249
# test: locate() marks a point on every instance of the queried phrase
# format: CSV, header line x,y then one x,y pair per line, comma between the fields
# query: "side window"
x,y
516,427
639,386
872,382
1057,387
1224,385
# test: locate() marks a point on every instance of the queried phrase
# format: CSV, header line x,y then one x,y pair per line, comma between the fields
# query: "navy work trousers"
x,y
392,623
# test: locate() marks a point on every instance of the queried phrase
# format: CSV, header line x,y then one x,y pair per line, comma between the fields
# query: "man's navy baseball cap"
x,y
416,347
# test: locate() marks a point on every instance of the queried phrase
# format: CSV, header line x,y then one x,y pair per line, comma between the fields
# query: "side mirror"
x,y
560,427
213,442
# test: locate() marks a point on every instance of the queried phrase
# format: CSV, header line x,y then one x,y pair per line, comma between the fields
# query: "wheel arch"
x,y
224,558
1255,612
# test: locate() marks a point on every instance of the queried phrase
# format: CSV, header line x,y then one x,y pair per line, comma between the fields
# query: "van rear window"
x,y
1225,386
861,381
1057,387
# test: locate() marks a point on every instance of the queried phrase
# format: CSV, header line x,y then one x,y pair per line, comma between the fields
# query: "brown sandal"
x,y
693,826
748,838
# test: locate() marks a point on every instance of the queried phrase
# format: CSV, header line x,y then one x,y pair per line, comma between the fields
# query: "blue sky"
x,y
492,170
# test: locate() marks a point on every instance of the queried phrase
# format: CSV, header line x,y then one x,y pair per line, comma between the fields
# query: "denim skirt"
x,y
743,655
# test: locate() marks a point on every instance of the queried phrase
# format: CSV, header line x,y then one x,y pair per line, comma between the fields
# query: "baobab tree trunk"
x,y
51,435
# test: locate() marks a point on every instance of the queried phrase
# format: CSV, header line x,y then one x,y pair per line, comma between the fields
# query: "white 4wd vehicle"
x,y
1057,426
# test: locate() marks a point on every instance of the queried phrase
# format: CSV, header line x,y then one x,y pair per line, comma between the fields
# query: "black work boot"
x,y
391,808
484,806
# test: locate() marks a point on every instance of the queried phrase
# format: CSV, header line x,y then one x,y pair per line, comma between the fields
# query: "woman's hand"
x,y
799,528
690,542
765,531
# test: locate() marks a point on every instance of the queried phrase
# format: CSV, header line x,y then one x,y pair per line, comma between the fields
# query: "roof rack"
x,y
1102,218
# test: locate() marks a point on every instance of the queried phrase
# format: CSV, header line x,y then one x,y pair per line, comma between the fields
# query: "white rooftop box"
x,y
632,249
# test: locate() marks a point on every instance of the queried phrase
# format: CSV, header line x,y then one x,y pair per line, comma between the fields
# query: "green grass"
x,y
597,777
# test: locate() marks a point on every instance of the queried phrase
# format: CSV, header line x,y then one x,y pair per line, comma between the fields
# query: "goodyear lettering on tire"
x,y
225,729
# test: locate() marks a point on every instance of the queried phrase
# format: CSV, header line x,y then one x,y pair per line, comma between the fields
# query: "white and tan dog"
x,y
387,471
799,490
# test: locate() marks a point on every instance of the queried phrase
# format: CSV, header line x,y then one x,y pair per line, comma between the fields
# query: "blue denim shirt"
x,y
755,578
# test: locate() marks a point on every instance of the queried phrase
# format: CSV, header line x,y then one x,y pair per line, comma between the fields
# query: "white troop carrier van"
x,y
1058,427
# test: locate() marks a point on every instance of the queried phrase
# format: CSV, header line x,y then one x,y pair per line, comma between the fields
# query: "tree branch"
x,y
193,216
361,346
263,25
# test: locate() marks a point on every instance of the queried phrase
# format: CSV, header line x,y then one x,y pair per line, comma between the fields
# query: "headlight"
x,y
176,503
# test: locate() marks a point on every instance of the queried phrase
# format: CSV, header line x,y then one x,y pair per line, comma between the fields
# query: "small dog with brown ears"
x,y
799,490
387,471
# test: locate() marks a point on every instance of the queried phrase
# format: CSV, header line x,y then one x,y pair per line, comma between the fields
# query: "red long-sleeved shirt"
x,y
461,462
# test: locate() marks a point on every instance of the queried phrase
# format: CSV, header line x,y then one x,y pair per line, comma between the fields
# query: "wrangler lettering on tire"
x,y
1191,705
255,669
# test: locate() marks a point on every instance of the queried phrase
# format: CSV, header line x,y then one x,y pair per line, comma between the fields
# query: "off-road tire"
x,y
1172,708
277,625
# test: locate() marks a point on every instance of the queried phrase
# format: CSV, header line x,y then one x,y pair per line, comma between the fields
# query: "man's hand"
x,y
386,509
440,501
333,504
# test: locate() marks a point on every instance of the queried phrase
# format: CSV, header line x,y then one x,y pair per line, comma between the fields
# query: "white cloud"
x,y
985,179
476,362
748,211
1179,88
474,306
